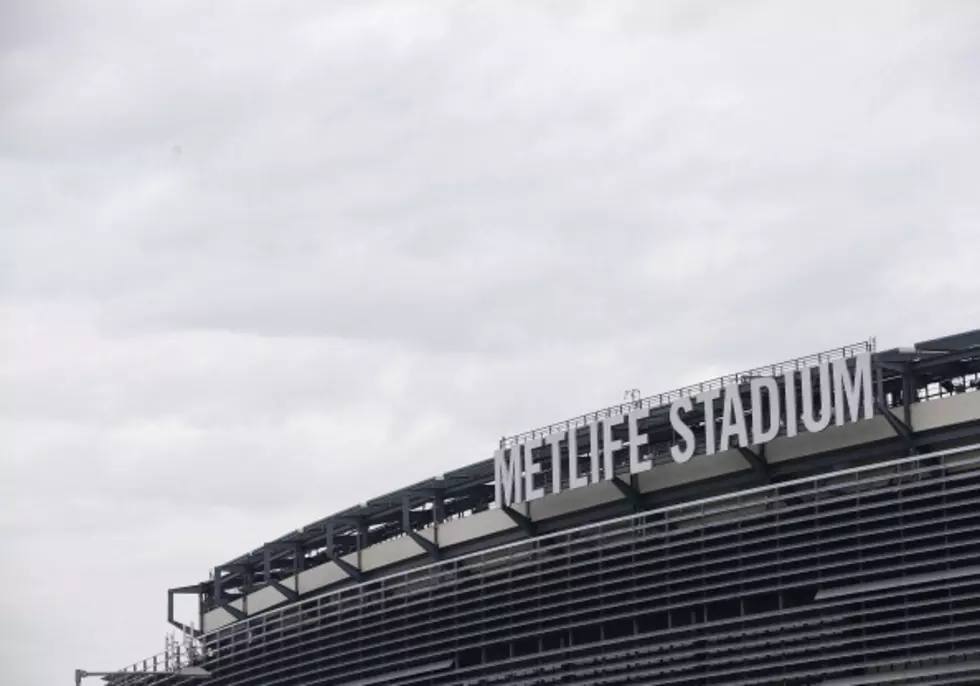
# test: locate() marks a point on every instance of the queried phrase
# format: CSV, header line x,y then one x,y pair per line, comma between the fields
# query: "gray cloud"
x,y
261,263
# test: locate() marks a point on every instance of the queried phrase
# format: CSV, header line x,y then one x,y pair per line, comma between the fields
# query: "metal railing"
x,y
178,653
665,399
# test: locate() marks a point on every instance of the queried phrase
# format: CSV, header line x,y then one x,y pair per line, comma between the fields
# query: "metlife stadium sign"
x,y
844,391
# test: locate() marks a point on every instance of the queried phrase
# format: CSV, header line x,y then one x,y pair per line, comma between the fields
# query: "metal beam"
x,y
479,491
903,430
237,567
348,569
527,526
234,570
425,490
272,554
218,587
908,392
352,521
193,589
248,581
892,364
285,590
630,492
428,546
184,590
279,564
233,611
299,555
757,460
438,505
362,539
939,359
923,360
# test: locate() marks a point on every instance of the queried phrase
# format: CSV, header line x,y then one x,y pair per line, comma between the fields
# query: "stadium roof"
x,y
470,489
461,482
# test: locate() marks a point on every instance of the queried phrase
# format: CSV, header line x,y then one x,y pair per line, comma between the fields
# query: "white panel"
x,y
804,445
475,526
351,559
289,582
700,467
574,500
428,533
215,619
263,599
928,415
323,575
954,409
388,552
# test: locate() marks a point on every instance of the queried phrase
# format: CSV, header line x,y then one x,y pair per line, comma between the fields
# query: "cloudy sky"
x,y
261,261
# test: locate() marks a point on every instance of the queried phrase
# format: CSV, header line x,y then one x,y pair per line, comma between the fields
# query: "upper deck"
x,y
453,514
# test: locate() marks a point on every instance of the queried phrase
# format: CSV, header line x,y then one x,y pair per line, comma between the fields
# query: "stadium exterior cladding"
x,y
851,556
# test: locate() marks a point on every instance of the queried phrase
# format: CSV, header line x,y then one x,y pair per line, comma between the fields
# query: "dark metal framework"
x,y
861,576
902,377
859,565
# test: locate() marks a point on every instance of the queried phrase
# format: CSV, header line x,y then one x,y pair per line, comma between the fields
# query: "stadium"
x,y
813,521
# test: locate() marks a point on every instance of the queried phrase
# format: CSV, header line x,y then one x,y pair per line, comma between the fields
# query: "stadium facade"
x,y
814,521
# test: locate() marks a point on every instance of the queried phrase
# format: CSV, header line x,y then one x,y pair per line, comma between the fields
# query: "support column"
x,y
524,522
348,569
428,546
757,460
630,492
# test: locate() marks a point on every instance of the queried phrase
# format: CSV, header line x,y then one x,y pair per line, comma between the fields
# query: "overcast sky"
x,y
260,261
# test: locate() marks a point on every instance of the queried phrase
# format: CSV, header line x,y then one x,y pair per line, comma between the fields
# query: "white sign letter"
x,y
594,450
682,430
531,470
733,419
609,446
810,420
762,435
636,440
792,418
575,480
855,390
708,400
507,469
554,440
